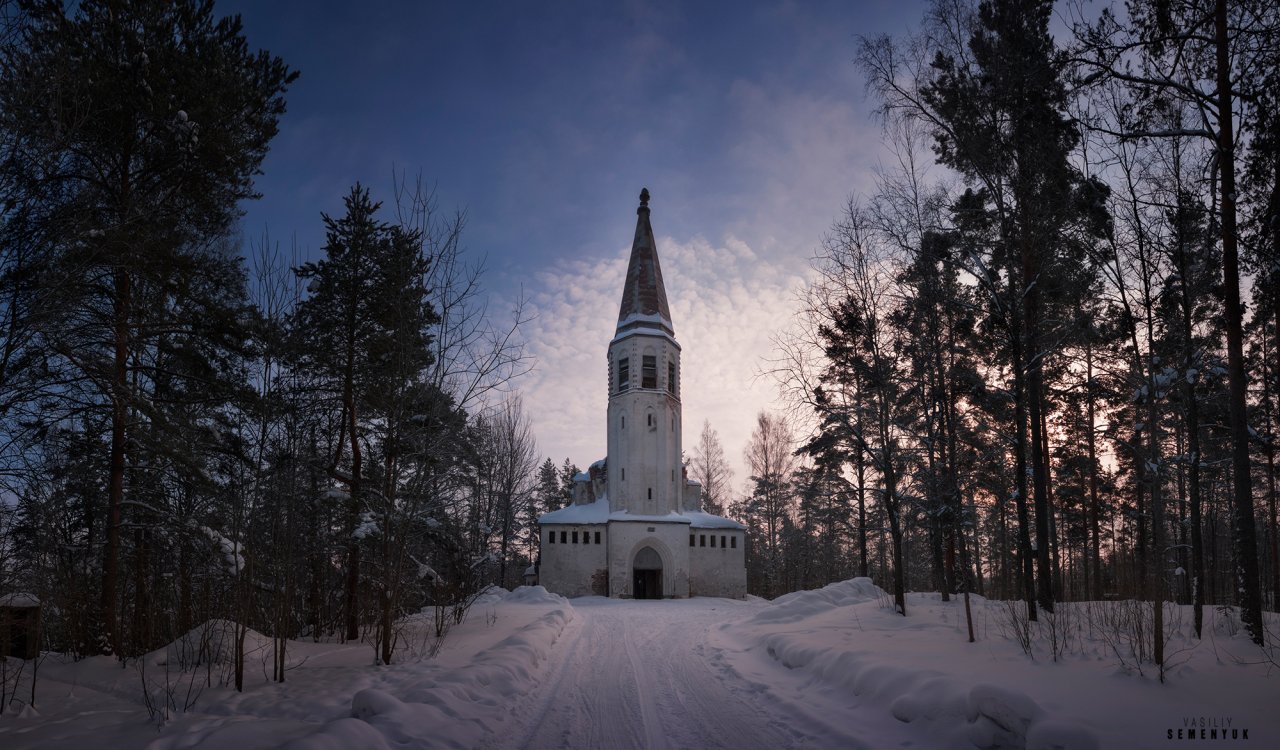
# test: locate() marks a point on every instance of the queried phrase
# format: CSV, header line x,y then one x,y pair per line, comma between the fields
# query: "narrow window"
x,y
722,542
671,378
649,371
575,537
691,540
650,418
673,424
650,493
597,537
624,374
624,421
673,475
551,537
702,540
564,537
624,475
733,542
713,540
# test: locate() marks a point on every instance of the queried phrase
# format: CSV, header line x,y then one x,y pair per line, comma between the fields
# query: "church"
x,y
636,529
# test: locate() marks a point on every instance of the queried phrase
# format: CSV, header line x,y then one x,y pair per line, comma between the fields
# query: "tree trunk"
x,y
115,487
353,515
1245,533
860,469
1095,506
1020,468
1034,397
1193,467
1155,570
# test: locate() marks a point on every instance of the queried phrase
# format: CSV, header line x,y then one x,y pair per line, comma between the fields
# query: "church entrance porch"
x,y
646,581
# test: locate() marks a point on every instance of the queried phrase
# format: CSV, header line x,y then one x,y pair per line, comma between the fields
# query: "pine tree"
x,y
1000,120
364,331
568,470
548,494
137,127
1167,53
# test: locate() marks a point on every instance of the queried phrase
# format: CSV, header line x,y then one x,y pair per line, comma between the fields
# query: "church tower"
x,y
636,528
645,474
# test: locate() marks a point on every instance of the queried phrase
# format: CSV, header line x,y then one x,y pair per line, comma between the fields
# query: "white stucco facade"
x,y
635,527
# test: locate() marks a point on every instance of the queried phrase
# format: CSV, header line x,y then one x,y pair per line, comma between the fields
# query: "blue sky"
x,y
747,121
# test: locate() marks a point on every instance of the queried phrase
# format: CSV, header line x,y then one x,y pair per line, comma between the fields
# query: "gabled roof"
x,y
644,298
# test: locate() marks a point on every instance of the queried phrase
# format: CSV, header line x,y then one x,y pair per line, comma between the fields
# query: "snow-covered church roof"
x,y
599,512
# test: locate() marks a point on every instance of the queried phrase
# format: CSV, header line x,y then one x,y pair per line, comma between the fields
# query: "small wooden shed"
x,y
19,626
530,577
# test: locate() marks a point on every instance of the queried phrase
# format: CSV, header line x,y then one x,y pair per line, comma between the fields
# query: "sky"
x,y
748,123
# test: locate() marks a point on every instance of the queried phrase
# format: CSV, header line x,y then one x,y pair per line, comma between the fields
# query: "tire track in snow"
x,y
636,675
653,734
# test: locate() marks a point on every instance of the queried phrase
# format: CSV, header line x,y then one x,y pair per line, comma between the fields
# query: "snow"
x,y
19,600
599,513
645,331
333,696
830,668
622,515
645,318
232,554
701,520
851,648
368,527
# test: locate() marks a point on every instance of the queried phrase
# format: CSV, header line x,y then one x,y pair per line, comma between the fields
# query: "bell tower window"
x,y
624,374
649,371
671,378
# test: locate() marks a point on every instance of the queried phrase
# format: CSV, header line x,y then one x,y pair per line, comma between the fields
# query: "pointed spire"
x,y
644,298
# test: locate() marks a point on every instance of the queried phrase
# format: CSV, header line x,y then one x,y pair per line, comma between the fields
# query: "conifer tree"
x,y
137,127
364,331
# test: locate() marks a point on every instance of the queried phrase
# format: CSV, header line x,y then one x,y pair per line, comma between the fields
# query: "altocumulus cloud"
x,y
727,303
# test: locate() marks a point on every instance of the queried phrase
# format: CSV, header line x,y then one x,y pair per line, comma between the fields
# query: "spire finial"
x,y
644,200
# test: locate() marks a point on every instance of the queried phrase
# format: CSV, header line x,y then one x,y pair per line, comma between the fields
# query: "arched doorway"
x,y
646,572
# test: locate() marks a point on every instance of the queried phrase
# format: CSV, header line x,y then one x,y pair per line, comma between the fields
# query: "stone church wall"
x,y
718,570
669,540
568,568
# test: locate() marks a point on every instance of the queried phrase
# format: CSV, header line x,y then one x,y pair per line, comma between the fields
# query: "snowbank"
x,y
821,633
212,642
333,695
801,604
460,707
856,651
534,595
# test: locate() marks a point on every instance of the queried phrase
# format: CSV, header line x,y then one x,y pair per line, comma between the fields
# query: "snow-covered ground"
x,y
855,652
828,668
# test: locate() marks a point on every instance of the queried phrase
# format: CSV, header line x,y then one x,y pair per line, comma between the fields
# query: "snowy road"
x,y
641,674
634,674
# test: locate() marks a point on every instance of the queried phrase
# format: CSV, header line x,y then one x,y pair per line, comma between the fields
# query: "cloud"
x,y
803,154
726,303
